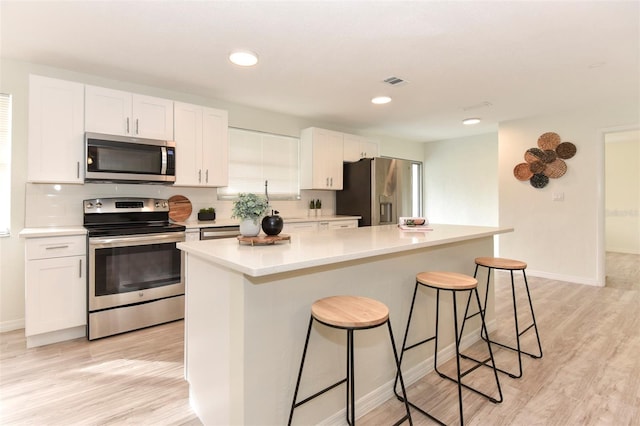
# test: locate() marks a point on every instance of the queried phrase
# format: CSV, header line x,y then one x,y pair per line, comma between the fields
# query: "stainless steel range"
x,y
136,273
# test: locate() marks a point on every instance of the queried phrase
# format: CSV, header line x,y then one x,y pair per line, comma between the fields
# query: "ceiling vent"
x,y
394,81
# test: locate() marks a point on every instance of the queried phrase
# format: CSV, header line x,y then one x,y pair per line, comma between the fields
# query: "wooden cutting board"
x,y
179,208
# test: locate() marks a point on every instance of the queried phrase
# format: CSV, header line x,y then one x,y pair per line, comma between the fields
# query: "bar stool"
x,y
455,283
349,313
508,265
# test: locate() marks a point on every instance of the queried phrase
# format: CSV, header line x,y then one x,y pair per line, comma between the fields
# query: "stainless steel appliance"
x,y
380,190
136,272
126,159
218,232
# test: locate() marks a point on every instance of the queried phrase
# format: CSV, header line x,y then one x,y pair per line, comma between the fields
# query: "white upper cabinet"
x,y
202,147
116,112
56,131
321,156
358,147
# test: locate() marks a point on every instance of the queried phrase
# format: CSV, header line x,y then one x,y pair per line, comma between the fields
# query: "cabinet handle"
x,y
57,247
78,169
127,125
206,176
80,268
137,127
331,183
200,176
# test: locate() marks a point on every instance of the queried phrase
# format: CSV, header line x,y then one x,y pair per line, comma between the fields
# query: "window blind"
x,y
256,157
5,163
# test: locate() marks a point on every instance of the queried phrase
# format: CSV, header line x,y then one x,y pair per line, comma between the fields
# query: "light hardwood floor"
x,y
589,375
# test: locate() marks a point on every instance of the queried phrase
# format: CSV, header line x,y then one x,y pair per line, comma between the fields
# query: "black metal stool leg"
x,y
399,373
294,404
351,402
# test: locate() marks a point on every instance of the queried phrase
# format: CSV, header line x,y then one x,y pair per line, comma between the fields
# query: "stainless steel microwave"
x,y
112,158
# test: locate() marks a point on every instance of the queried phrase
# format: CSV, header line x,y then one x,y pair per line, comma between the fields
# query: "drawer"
x,y
49,247
300,227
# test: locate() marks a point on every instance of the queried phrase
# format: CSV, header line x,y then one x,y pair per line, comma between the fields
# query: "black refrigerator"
x,y
379,189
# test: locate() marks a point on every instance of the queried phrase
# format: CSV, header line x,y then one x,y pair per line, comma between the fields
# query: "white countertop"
x,y
306,250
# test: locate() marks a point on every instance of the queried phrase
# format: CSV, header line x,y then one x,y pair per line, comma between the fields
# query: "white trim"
x,y
11,325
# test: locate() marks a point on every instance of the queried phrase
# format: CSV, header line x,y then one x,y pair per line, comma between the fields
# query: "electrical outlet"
x,y
557,196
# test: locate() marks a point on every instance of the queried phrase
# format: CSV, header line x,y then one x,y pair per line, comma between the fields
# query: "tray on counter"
x,y
263,240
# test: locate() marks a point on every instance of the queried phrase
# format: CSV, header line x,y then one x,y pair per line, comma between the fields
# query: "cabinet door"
x,y
368,149
56,131
188,137
352,151
321,154
108,111
152,117
215,147
55,294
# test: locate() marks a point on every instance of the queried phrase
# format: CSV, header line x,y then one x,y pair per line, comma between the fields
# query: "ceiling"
x,y
325,60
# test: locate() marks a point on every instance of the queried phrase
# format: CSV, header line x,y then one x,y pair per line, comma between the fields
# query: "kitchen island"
x,y
248,308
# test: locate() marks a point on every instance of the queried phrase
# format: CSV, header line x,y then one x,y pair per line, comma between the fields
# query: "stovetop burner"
x,y
127,216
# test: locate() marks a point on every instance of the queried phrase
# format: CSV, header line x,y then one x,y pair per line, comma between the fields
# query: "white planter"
x,y
249,227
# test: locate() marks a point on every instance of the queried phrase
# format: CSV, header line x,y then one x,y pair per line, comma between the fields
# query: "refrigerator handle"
x,y
385,212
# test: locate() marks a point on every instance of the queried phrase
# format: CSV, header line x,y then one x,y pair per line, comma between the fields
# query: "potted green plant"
x,y
208,213
318,206
249,208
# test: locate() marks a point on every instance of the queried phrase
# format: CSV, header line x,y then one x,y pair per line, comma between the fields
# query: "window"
x,y
416,188
256,157
5,163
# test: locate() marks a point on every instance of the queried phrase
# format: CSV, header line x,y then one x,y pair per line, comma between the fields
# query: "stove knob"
x,y
89,205
98,204
164,204
157,204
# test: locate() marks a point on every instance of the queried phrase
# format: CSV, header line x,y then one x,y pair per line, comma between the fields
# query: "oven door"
x,y
125,270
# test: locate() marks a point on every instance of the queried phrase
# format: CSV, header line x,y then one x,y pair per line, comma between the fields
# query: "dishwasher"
x,y
218,232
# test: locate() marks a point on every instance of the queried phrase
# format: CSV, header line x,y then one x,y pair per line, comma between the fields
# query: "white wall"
x,y
42,205
622,192
559,239
461,180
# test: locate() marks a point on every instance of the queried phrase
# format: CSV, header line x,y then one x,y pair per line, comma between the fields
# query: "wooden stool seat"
x,y
447,280
500,263
350,312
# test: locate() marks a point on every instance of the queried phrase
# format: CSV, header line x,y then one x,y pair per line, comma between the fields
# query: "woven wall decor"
x,y
546,161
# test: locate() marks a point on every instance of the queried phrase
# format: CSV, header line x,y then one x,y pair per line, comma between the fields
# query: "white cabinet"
x,y
338,224
321,156
55,286
296,227
55,152
358,147
202,147
116,112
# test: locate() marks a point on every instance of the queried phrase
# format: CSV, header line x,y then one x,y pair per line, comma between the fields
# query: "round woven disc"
x,y
533,154
539,180
522,171
537,167
550,156
555,169
549,140
566,150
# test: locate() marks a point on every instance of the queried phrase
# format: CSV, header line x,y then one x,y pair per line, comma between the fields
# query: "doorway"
x,y
622,209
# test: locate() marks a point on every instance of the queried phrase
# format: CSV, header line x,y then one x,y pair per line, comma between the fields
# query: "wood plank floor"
x,y
589,375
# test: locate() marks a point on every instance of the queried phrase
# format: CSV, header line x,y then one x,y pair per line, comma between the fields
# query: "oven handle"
x,y
174,237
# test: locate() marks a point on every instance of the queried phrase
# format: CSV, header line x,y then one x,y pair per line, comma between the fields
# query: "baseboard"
x,y
378,396
56,336
11,325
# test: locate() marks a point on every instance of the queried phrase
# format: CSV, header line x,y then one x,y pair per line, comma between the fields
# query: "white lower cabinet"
x,y
338,224
295,227
55,289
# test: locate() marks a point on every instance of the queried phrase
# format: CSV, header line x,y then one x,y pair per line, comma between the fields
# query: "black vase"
x,y
272,225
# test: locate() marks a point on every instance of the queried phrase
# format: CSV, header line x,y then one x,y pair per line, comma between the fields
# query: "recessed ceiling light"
x,y
379,100
244,58
470,121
